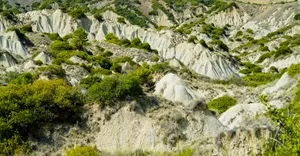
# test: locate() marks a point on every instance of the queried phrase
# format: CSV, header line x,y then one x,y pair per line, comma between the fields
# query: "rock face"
x,y
11,43
168,43
239,114
6,60
74,73
160,129
171,87
44,57
231,17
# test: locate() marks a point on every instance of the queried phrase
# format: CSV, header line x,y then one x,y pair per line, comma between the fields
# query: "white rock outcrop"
x,y
11,43
168,43
44,57
240,113
173,88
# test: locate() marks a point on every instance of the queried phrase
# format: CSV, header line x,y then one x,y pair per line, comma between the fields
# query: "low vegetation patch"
x,y
221,104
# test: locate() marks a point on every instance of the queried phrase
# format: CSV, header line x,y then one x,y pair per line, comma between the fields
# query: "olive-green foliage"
x,y
257,79
8,14
131,13
54,70
121,20
64,56
101,71
263,48
220,44
89,81
156,5
297,17
27,107
294,70
144,74
54,36
153,13
250,68
221,104
24,78
287,120
79,39
238,34
99,17
113,88
104,62
39,62
192,39
155,59
58,46
116,67
264,56
250,31
134,43
77,13
161,68
82,151
20,34
283,50
26,28
219,6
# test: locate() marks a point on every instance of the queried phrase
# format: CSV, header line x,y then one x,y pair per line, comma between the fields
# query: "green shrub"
x,y
99,17
60,46
294,70
221,104
257,79
113,88
54,70
250,31
54,36
153,13
136,42
192,39
104,62
121,20
264,56
238,34
79,39
77,13
250,68
39,62
273,70
107,54
35,5
8,14
283,50
24,78
89,81
287,121
155,59
25,108
101,71
116,68
263,48
297,17
26,28
82,151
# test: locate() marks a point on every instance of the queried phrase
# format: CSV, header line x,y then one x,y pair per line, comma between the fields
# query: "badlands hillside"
x,y
149,77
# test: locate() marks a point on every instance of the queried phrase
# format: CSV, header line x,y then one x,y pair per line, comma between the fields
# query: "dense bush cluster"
x,y
294,70
221,104
114,88
27,106
287,135
134,43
